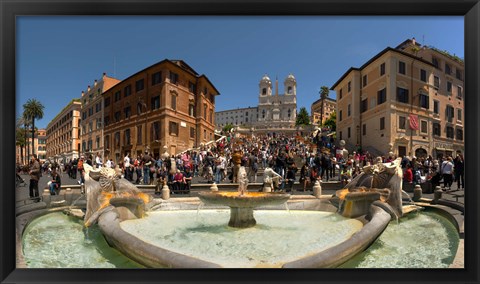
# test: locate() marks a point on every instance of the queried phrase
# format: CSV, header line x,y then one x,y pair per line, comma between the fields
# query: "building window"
x,y
341,135
436,107
107,101
348,133
364,129
205,111
192,87
107,120
364,105
263,114
423,101
340,94
449,132
290,89
448,69
364,80
174,102
117,116
127,90
128,112
459,134
423,126
191,108
139,134
173,78
402,95
436,129
401,67
139,85
205,134
382,123
210,116
436,82
264,91
458,74
117,96
435,62
289,112
459,114
155,102
156,130
127,137
382,96
349,112
382,69
449,87
340,115
192,132
449,113
423,75
173,128
116,139
156,78
401,122
459,92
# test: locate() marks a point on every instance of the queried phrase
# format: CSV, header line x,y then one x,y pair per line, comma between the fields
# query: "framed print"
x,y
173,139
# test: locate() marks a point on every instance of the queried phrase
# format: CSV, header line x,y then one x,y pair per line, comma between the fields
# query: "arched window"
x,y
264,91
289,112
263,113
289,90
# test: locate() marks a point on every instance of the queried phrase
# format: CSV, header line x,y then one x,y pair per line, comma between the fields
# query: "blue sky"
x,y
58,57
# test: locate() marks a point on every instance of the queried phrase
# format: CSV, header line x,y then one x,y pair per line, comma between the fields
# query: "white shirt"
x,y
126,161
447,167
109,164
98,160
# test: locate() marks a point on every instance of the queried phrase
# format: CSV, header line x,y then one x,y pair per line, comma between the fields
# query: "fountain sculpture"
x,y
242,203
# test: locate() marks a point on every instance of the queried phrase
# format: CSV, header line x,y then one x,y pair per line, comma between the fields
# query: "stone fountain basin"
x,y
248,199
152,255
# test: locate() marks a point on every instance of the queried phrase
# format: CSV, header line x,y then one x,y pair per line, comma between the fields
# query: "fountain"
x,y
176,233
242,203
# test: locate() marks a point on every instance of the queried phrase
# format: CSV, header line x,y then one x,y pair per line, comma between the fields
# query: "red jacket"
x,y
408,176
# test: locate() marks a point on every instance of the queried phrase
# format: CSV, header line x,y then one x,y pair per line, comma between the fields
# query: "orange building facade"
x,y
166,104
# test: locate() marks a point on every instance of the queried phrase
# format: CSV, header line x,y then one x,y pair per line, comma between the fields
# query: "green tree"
x,y
302,117
20,138
227,128
332,121
323,96
33,109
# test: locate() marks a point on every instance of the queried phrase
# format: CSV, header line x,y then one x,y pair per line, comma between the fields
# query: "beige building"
x,y
40,148
63,134
408,100
92,115
329,105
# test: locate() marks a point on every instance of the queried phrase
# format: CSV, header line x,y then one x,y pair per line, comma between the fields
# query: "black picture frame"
x,y
470,9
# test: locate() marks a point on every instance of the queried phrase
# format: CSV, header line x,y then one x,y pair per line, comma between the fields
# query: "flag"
x,y
413,121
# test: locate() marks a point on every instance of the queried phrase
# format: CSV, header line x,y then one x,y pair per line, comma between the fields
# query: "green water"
x,y
56,240
423,240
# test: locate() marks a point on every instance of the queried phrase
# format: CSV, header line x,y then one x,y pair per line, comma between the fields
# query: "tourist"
x,y
459,171
178,181
304,176
127,167
252,167
98,161
80,170
146,162
188,176
55,183
237,160
35,174
220,163
289,178
447,173
408,174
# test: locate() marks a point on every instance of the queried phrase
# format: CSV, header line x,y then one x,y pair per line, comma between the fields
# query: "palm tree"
x,y
33,109
323,95
20,138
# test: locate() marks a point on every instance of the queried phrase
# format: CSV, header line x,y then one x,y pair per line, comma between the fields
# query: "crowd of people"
x,y
311,158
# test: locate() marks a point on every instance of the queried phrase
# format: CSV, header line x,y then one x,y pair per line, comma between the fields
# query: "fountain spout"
x,y
243,181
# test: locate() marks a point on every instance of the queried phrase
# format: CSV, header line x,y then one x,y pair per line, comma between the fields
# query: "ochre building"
x,y
166,104
407,100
